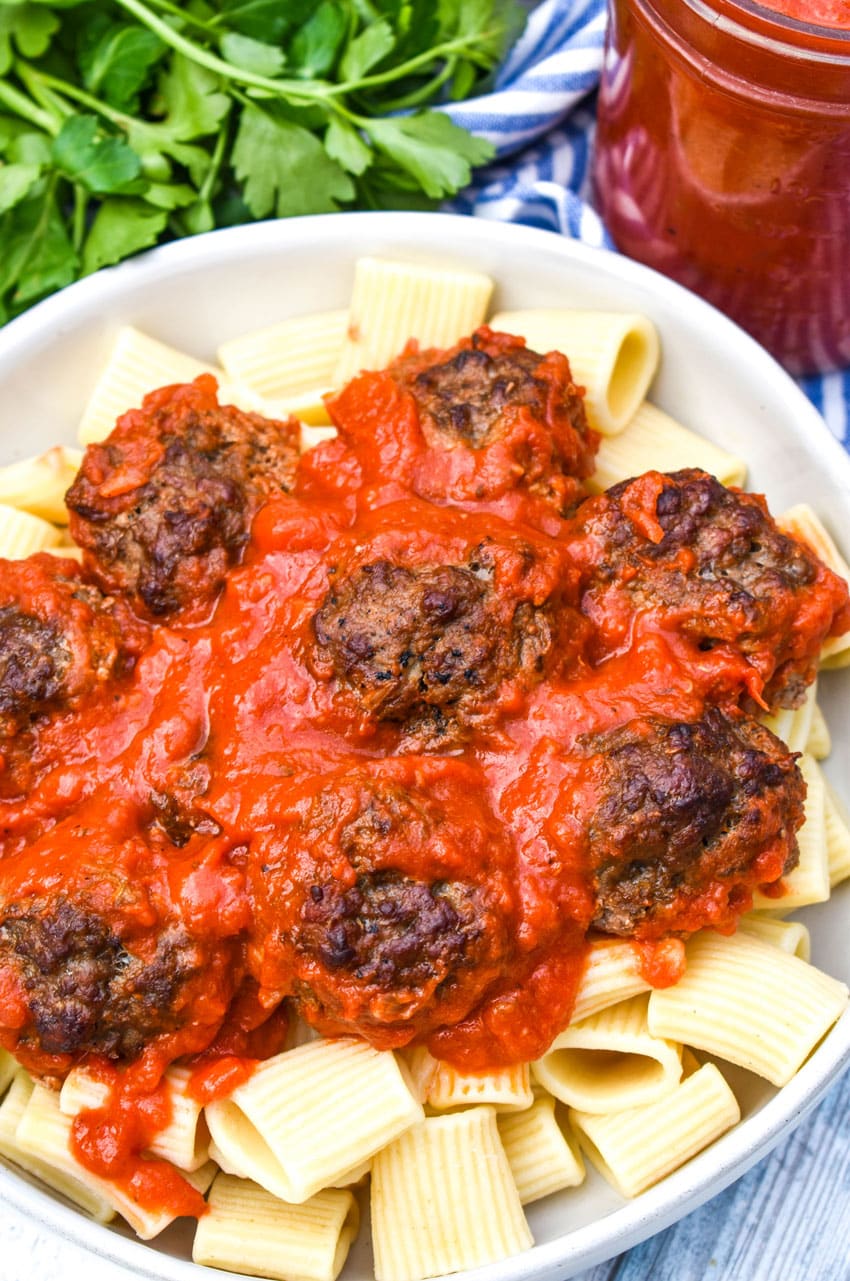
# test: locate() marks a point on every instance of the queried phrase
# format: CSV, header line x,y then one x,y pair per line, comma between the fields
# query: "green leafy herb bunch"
x,y
132,121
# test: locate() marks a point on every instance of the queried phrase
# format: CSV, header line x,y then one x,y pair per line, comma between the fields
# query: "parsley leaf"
x,y
252,55
119,63
100,164
366,50
431,148
16,182
125,122
122,226
285,169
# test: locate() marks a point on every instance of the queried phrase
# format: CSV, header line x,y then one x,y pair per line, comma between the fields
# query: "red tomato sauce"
x,y
237,711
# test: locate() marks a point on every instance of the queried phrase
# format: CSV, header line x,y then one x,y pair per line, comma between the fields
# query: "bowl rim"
x,y
729,1157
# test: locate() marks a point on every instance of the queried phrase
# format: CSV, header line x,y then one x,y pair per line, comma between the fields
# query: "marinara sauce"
x,y
723,160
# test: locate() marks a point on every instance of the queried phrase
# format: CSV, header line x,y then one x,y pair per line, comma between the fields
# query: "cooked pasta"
x,y
636,1148
394,301
610,1061
745,1001
613,355
808,882
22,534
308,1117
37,485
248,1230
543,1156
286,360
444,1199
508,1090
653,440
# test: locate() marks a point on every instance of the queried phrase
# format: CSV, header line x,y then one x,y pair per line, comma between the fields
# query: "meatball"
x,y
441,648
85,991
101,953
61,640
163,507
501,416
385,901
711,564
683,820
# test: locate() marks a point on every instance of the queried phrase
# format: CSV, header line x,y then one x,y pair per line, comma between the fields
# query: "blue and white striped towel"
x,y
540,117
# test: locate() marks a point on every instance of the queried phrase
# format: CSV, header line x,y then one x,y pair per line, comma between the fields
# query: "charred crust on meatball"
x,y
428,646
712,559
163,507
86,991
681,808
61,640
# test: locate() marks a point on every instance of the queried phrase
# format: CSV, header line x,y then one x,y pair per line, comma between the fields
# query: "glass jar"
x,y
723,159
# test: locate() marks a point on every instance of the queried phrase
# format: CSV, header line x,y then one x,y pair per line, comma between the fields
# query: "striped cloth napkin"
x,y
540,117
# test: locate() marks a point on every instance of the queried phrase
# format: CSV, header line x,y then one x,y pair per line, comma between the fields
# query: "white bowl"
x,y
714,378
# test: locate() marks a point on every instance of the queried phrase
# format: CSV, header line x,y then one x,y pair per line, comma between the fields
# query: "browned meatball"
x,y
86,992
505,415
60,640
684,820
163,507
385,903
711,564
440,641
99,951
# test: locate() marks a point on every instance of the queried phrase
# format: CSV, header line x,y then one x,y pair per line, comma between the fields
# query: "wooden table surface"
x,y
787,1220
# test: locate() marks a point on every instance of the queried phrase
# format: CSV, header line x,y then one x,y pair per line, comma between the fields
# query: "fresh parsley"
x,y
132,121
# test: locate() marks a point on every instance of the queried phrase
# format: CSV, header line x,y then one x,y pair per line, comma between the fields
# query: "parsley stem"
x,y
27,109
294,90
425,92
81,201
206,188
63,87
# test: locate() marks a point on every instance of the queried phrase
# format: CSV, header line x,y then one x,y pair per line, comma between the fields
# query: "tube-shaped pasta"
x,y
543,1158
22,534
805,524
8,1068
819,742
652,440
788,936
636,1148
611,974
77,1190
290,358
310,1116
248,1230
183,1142
808,882
444,1199
610,1061
38,485
394,301
421,1069
837,837
44,1134
794,725
507,1089
745,1001
137,364
613,355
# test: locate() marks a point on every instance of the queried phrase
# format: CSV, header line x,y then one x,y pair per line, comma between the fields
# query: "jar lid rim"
x,y
769,16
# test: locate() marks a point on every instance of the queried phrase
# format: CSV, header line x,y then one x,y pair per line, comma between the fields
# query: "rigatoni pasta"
x,y
444,1199
248,1230
748,1003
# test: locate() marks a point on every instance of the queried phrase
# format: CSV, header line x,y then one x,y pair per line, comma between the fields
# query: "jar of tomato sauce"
x,y
723,159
